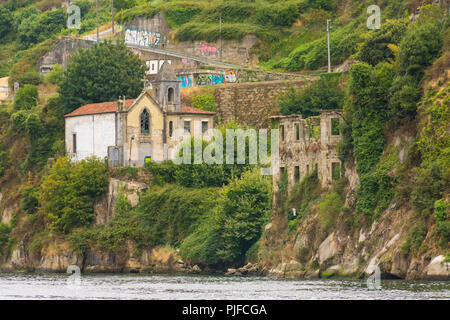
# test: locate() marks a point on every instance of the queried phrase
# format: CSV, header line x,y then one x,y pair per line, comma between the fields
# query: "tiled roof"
x,y
97,108
111,106
195,110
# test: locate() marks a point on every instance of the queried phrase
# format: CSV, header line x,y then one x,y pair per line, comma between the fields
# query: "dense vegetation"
x,y
215,214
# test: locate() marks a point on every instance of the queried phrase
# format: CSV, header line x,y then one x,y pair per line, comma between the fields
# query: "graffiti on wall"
x,y
230,76
207,50
200,79
142,38
185,81
209,79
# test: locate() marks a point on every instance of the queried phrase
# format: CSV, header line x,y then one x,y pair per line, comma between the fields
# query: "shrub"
x,y
67,193
18,120
415,239
281,15
419,48
29,201
329,209
226,235
4,236
179,16
325,93
37,28
164,172
427,188
26,98
440,210
204,102
56,75
375,49
29,77
405,93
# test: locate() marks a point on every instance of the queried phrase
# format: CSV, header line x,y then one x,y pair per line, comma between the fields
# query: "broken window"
x,y
297,174
187,126
336,170
170,128
145,122
335,127
204,126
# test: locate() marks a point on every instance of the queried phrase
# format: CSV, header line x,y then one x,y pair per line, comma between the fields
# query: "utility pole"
x,y
96,11
220,27
112,15
329,27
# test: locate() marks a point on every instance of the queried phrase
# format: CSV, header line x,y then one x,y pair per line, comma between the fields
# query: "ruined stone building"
x,y
127,132
308,144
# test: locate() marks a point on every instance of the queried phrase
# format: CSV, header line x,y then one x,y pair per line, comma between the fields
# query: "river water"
x,y
60,286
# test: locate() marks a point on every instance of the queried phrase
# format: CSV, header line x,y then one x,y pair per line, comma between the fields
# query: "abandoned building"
x,y
306,145
4,89
128,132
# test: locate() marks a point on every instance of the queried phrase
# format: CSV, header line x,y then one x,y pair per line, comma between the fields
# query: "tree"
x,y
26,98
419,48
37,28
101,73
6,21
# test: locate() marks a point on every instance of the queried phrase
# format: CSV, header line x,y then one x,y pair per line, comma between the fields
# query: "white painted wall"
x,y
95,133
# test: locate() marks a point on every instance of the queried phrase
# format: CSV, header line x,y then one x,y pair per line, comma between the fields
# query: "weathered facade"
x,y
128,132
306,145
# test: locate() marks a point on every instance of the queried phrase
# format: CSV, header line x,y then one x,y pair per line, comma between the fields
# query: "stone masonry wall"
x,y
252,103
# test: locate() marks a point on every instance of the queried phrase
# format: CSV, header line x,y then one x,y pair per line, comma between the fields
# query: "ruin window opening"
x,y
282,174
282,132
335,127
297,173
187,126
145,122
170,94
336,170
307,168
297,131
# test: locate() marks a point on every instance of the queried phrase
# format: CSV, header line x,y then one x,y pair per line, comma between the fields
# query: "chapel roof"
x,y
98,108
111,107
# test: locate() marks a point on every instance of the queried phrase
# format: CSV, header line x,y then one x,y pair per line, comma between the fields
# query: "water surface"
x,y
59,286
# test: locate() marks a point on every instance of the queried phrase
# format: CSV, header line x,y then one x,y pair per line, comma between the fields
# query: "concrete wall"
x,y
144,31
251,103
61,53
95,133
